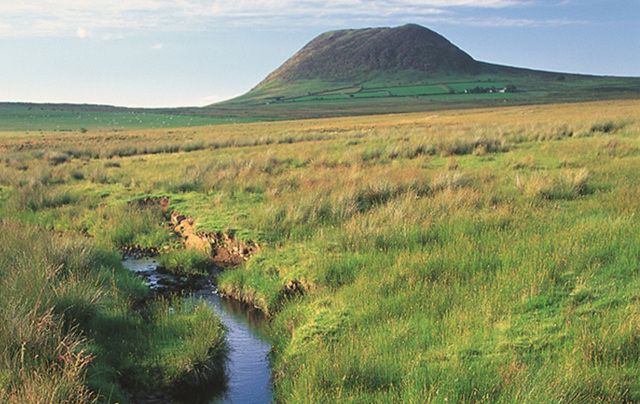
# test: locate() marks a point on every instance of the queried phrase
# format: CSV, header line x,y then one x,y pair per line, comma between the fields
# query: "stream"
x,y
248,370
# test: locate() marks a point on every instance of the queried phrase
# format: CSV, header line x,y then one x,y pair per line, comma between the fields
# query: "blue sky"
x,y
195,52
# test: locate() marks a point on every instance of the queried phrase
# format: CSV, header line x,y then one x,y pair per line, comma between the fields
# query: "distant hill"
x,y
363,54
401,69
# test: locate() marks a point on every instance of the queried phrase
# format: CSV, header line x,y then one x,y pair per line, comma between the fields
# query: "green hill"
x,y
407,68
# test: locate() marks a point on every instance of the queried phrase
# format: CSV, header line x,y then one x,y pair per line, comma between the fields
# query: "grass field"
x,y
411,92
72,118
465,255
277,101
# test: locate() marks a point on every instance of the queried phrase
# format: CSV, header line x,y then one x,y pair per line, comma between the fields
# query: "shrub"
x,y
77,175
607,126
56,158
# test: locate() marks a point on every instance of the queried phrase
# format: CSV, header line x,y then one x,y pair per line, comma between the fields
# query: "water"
x,y
248,368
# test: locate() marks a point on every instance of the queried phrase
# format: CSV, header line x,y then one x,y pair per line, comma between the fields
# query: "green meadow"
x,y
398,92
463,255
74,118
408,91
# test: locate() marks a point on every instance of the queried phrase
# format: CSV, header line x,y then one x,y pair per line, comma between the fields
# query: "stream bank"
x,y
248,370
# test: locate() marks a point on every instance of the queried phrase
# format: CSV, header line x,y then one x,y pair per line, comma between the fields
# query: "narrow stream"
x,y
248,368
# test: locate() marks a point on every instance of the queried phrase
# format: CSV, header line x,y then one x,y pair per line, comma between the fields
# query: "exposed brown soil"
x,y
224,248
138,252
161,201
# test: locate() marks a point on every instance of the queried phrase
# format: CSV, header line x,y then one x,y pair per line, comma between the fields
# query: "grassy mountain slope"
x,y
408,68
315,99
362,54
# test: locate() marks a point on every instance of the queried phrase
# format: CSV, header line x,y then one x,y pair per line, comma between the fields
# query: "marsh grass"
x,y
464,145
607,126
566,185
36,196
469,256
56,158
188,263
128,224
68,329
198,362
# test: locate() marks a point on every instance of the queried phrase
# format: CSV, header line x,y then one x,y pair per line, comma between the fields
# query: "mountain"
x,y
358,55
403,69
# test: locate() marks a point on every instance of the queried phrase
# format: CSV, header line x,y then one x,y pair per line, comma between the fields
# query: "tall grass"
x,y
42,359
129,224
468,256
36,196
567,185
68,329
186,263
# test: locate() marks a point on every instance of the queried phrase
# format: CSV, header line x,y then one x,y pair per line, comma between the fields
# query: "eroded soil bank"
x,y
247,369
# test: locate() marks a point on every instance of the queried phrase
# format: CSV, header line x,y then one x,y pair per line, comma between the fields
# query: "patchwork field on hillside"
x,y
469,255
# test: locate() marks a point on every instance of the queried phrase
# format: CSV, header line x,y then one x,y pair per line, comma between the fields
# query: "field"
x,y
409,92
463,255
279,101
73,118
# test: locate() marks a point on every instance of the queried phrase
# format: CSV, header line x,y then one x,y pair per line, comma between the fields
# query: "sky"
x,y
156,53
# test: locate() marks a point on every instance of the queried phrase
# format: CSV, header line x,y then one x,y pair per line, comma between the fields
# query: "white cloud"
x,y
82,33
157,46
109,18
498,22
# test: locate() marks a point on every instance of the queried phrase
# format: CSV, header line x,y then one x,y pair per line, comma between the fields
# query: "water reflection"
x,y
248,369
